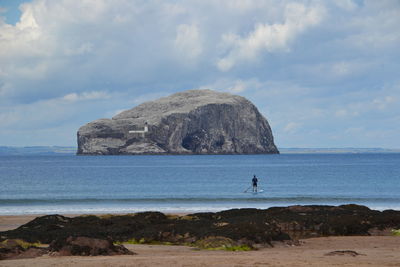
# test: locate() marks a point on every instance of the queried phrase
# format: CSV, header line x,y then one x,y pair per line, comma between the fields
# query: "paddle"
x,y
245,191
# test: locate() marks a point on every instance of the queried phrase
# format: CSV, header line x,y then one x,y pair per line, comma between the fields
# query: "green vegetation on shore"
x,y
232,248
396,232
200,245
21,243
141,241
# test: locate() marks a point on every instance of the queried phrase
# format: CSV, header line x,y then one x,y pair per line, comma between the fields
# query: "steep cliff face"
x,y
190,122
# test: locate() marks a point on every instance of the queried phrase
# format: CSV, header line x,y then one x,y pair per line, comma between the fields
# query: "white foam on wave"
x,y
165,208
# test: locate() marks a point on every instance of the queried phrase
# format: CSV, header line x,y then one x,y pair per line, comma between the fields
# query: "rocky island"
x,y
189,122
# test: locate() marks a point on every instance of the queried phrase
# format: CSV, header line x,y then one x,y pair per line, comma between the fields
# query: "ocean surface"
x,y
120,184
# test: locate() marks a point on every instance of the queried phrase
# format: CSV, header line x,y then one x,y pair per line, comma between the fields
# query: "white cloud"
x,y
269,37
238,87
383,102
73,97
174,9
188,41
83,48
350,111
292,127
347,67
341,113
355,130
379,105
243,5
52,112
348,5
234,86
21,40
338,70
325,65
376,26
341,69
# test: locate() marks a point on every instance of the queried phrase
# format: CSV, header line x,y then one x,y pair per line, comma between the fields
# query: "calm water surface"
x,y
113,184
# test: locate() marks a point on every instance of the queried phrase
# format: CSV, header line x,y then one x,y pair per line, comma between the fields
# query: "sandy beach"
x,y
372,250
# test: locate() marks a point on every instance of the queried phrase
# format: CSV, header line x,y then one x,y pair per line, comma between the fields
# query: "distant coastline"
x,y
71,150
37,150
344,150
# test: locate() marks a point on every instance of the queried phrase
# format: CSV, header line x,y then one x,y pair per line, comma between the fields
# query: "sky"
x,y
323,73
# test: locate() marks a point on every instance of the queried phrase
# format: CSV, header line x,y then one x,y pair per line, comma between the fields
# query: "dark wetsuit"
x,y
255,181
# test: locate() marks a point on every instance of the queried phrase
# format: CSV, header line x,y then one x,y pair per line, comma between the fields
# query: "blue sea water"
x,y
119,184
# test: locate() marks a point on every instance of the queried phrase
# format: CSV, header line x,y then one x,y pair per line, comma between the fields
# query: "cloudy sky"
x,y
324,73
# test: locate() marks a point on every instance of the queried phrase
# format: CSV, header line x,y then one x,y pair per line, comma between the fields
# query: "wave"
x,y
169,208
296,199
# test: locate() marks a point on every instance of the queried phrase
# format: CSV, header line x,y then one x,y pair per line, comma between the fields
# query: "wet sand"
x,y
373,250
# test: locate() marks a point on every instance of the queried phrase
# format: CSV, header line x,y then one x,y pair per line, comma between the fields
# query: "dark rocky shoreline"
x,y
237,227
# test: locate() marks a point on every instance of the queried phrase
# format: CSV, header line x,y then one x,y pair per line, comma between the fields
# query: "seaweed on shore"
x,y
245,227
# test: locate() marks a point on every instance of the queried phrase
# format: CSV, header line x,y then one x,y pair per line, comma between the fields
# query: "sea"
x,y
70,184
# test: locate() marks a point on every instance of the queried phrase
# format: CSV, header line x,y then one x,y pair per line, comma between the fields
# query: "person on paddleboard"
x,y
254,181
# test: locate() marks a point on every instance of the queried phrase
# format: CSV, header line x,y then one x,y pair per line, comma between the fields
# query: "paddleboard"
x,y
258,191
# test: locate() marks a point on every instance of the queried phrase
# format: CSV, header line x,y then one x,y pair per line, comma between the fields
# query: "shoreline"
x,y
13,221
349,251
375,251
178,206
